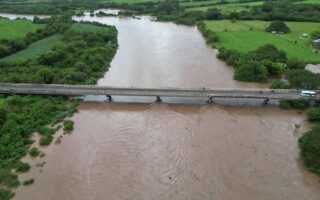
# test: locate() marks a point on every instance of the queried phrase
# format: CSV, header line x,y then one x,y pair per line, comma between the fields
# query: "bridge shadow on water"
x,y
180,100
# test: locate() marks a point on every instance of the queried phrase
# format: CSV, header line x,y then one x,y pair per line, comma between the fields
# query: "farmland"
x,y
246,36
12,29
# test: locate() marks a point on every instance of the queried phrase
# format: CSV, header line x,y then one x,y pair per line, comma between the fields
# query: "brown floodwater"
x,y
123,151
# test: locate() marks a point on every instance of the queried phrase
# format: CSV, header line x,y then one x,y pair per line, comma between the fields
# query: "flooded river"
x,y
124,151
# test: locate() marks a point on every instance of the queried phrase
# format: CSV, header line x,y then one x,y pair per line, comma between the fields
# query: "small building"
x,y
316,43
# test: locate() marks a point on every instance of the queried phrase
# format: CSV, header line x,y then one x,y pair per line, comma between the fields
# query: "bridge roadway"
x,y
210,93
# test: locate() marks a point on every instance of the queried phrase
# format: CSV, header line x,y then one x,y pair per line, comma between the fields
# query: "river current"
x,y
123,150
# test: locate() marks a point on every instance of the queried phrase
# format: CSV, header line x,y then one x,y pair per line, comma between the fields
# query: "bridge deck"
x,y
81,90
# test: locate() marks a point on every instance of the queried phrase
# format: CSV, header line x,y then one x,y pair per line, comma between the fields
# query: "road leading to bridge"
x,y
210,93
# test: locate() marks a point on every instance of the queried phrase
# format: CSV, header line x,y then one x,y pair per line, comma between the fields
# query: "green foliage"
x,y
278,27
8,179
256,66
295,63
28,181
34,152
68,125
314,114
278,84
250,70
300,78
6,194
34,50
315,35
284,105
309,144
22,167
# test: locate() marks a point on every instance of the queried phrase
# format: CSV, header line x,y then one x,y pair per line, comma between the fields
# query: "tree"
x,y
250,70
269,52
278,26
213,13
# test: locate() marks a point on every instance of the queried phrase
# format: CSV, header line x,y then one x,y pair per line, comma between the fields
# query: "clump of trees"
x,y
210,35
81,57
309,143
256,66
278,27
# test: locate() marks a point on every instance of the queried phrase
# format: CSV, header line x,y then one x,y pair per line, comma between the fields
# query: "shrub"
x,y
7,178
34,152
278,26
68,125
28,181
45,140
6,194
22,167
313,114
278,84
252,71
309,144
295,63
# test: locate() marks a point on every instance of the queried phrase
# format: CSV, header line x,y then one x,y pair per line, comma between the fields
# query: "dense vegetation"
x,y
75,56
309,143
60,52
278,27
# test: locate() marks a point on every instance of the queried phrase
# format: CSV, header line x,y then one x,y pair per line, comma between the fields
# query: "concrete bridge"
x,y
210,93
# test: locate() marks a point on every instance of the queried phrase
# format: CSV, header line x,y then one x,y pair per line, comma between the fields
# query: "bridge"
x,y
210,93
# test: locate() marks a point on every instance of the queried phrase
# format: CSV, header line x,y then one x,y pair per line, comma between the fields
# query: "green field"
x,y
310,1
246,36
35,50
228,8
86,28
12,29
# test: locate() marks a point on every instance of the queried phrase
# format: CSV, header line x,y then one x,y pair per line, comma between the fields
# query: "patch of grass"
x,y
309,1
35,50
245,36
12,29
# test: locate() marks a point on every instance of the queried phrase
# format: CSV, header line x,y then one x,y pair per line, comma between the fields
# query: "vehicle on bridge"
x,y
307,93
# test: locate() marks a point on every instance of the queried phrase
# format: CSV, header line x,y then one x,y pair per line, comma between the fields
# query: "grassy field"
x,y
201,3
35,50
12,29
86,28
228,8
310,1
246,36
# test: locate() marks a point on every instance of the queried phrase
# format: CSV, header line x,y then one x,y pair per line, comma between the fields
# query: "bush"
x,y
68,125
45,140
34,152
22,167
7,178
28,181
278,26
278,84
313,114
295,63
252,71
309,144
6,194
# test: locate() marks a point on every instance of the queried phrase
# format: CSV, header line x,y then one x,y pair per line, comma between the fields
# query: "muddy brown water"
x,y
123,151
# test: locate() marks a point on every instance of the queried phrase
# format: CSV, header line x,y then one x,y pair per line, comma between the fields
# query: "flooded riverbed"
x,y
122,151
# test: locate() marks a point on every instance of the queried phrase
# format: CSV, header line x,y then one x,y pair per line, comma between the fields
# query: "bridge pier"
x,y
109,97
266,101
158,99
210,100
